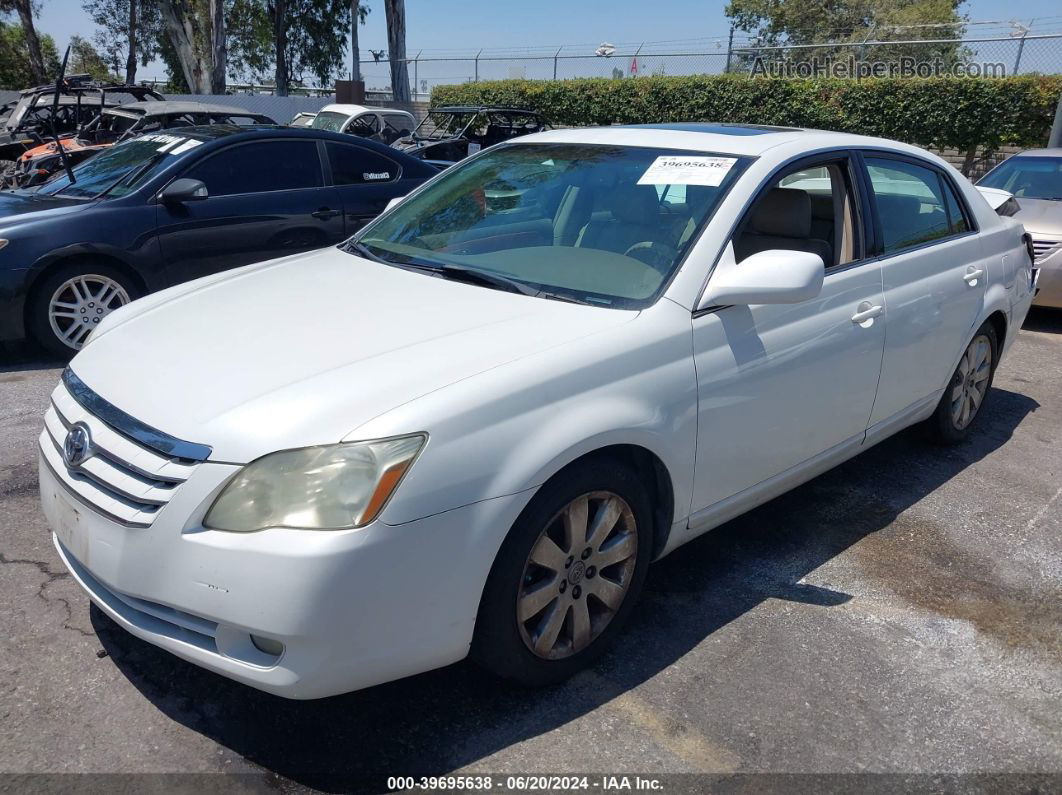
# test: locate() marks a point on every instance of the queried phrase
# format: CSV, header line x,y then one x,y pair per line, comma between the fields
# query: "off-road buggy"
x,y
449,134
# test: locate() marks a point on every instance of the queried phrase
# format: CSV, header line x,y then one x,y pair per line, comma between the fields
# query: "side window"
x,y
394,127
956,220
260,167
352,165
811,209
365,125
910,201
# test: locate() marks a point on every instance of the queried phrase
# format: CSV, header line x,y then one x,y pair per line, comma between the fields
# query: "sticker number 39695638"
x,y
687,170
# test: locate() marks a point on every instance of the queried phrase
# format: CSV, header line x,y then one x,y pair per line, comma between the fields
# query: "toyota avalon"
x,y
469,429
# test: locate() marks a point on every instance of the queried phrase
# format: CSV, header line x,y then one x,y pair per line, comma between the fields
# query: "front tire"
x,y
567,576
71,302
967,391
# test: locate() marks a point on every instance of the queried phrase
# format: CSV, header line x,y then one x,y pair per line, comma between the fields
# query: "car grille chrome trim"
x,y
1044,248
122,479
136,430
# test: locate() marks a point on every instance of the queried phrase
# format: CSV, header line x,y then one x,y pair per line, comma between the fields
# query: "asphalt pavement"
x,y
901,615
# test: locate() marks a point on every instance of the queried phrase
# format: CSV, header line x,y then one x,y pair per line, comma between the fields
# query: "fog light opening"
x,y
267,645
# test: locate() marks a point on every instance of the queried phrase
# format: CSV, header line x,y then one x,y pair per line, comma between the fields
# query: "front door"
x,y
267,199
779,385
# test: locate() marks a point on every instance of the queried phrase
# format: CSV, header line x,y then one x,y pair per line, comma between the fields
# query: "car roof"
x,y
483,109
735,139
354,110
213,132
156,108
1055,151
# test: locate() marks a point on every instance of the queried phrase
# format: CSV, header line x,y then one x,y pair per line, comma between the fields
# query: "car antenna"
x,y
55,112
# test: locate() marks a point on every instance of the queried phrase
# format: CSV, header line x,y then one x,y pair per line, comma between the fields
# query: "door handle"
x,y
972,275
325,213
867,311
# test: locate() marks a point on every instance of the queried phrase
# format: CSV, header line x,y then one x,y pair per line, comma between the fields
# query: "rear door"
x,y
933,273
364,181
267,199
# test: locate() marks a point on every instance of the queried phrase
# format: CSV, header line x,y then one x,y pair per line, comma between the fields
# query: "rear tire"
x,y
68,304
567,576
967,391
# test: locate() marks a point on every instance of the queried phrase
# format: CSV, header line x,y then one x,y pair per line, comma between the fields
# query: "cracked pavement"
x,y
900,614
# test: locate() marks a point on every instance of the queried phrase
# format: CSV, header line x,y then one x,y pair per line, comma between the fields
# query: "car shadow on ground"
x,y
445,719
18,357
1043,319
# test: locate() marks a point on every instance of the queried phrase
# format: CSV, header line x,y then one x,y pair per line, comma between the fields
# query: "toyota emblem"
x,y
78,445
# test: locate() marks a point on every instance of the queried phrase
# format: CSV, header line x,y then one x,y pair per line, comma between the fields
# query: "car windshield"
x,y
605,225
329,120
1028,177
120,169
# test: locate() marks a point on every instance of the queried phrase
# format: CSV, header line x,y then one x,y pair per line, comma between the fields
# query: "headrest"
x,y
893,207
821,206
635,204
783,212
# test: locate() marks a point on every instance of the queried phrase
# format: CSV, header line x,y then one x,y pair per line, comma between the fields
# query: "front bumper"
x,y
1050,280
352,608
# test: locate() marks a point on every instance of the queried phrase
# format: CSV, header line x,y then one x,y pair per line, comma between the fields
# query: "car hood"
x,y
1040,216
23,206
302,351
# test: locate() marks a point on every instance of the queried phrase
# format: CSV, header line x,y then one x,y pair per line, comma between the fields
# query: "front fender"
x,y
510,429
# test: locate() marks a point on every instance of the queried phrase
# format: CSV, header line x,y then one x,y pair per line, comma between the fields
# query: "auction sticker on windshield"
x,y
687,170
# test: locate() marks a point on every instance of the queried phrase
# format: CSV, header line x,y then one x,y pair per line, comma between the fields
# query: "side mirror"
x,y
184,190
393,202
767,277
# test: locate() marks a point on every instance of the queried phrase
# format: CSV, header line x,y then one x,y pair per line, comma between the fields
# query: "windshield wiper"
x,y
568,299
354,247
459,273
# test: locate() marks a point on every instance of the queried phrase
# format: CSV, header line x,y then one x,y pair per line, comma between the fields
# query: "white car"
x,y
467,431
386,125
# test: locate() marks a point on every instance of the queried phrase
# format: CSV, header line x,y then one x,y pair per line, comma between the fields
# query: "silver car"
x,y
1035,179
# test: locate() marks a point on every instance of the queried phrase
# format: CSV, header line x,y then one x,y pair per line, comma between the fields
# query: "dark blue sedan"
x,y
172,206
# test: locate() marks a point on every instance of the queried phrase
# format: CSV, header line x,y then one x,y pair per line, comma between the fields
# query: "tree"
x,y
129,32
786,23
294,40
14,58
196,31
24,9
84,59
395,11
358,12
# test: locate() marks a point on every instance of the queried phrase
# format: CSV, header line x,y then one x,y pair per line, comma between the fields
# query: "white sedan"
x,y
469,430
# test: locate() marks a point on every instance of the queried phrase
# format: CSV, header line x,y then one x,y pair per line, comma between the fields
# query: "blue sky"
x,y
467,25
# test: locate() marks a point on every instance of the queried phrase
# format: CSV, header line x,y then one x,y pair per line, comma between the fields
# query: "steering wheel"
x,y
658,256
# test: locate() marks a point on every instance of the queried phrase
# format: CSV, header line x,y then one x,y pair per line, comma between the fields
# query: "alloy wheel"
x,y
80,303
970,384
577,575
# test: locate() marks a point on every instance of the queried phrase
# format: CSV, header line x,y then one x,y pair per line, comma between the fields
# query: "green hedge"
x,y
935,112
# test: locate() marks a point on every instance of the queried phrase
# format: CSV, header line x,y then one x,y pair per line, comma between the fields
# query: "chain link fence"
x,y
992,56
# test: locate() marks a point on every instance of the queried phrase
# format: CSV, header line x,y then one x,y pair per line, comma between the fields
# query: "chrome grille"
x,y
123,477
1043,248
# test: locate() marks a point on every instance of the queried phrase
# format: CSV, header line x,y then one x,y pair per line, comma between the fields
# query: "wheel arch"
x,y
999,324
646,461
46,266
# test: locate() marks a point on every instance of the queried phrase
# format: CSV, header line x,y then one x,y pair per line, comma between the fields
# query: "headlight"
x,y
335,487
